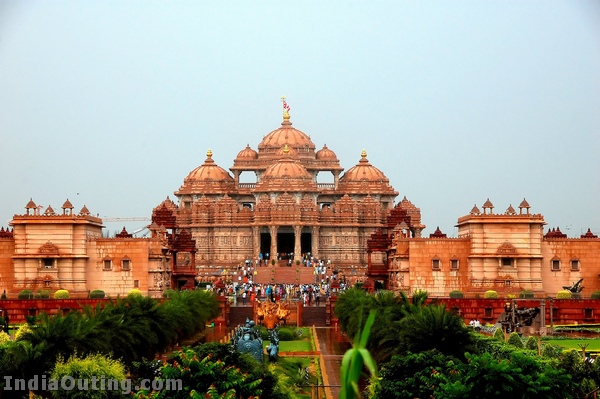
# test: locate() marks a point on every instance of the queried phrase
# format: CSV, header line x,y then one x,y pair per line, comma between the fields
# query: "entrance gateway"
x,y
285,243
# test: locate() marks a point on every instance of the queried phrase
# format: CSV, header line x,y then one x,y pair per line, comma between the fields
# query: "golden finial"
x,y
286,108
286,149
363,154
209,153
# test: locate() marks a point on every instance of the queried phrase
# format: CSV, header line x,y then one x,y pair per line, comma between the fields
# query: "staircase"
x,y
239,314
284,275
314,316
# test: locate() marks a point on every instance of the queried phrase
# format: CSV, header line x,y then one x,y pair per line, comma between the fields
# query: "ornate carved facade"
x,y
286,212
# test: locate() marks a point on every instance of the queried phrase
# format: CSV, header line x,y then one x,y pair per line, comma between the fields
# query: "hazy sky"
x,y
112,103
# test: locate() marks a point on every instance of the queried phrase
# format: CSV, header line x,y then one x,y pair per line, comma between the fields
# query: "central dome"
x,y
286,134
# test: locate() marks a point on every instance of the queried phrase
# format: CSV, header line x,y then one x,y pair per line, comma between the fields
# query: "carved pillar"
x,y
315,242
273,231
236,177
297,243
255,242
336,179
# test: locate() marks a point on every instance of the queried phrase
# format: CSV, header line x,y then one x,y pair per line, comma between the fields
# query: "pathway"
x,y
331,344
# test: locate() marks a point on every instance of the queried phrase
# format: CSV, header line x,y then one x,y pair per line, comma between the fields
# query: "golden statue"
x,y
270,314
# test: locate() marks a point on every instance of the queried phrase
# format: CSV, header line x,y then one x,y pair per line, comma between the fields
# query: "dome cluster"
x,y
286,161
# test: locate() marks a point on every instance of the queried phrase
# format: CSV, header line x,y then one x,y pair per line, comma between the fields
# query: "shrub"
x,y
168,293
511,296
95,294
22,331
490,294
3,295
98,366
499,335
42,294
531,343
595,295
515,340
526,294
564,294
456,294
62,294
134,292
4,338
26,294
550,350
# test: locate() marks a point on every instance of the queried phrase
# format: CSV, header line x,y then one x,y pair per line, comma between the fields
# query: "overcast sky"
x,y
112,103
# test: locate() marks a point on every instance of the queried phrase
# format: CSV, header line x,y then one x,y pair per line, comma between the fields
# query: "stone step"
x,y
284,275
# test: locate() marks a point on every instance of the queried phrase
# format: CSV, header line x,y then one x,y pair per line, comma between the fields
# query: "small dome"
x,y
326,154
209,170
364,171
286,174
208,177
247,154
286,168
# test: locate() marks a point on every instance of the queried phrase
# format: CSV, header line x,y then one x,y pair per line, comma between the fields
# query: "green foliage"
x,y
456,294
415,375
4,338
490,294
521,376
285,334
433,327
515,340
351,309
550,351
86,368
526,294
499,335
42,294
23,331
595,295
26,294
531,343
214,371
354,360
62,294
168,293
129,329
564,294
97,294
134,292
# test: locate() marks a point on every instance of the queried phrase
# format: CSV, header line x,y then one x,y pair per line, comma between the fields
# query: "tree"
x,y
89,369
416,375
433,327
219,374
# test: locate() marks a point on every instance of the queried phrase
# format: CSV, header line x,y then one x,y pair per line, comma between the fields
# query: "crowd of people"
x,y
246,293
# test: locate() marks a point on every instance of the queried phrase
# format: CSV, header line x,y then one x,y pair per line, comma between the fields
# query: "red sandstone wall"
x,y
587,251
563,311
118,281
439,283
7,248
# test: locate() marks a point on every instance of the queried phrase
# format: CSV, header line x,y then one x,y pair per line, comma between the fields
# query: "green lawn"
x,y
294,346
592,344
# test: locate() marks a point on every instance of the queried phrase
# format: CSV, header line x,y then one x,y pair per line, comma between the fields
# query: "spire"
x,y
286,109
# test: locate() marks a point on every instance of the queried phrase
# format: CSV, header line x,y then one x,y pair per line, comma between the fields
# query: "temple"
x,y
284,204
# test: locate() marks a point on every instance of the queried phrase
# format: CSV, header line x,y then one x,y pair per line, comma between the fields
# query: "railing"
x,y
247,185
326,186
